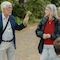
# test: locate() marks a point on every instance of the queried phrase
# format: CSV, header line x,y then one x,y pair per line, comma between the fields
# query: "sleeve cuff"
x,y
25,25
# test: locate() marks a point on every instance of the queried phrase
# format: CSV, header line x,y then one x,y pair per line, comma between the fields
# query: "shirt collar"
x,y
4,17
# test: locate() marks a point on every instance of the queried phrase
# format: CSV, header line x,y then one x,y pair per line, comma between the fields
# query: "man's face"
x,y
8,10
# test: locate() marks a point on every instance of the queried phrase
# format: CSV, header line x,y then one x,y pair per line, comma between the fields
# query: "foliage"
x,y
36,7
18,20
56,2
18,10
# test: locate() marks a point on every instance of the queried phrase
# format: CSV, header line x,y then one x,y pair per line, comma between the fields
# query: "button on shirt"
x,y
8,34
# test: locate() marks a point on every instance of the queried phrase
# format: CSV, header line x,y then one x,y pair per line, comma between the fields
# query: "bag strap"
x,y
5,26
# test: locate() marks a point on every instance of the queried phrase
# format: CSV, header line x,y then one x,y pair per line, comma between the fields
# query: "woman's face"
x,y
47,12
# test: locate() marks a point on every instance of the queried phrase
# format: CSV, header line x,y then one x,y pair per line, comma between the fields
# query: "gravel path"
x,y
27,44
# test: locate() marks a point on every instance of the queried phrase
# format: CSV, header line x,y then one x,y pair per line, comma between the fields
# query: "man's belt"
x,y
7,40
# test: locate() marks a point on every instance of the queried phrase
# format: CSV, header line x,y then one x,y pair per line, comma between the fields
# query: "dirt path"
x,y
27,43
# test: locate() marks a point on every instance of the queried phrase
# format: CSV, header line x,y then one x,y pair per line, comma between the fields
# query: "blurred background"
x,y
27,42
36,7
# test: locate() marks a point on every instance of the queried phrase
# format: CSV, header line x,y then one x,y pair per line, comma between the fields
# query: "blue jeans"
x,y
48,53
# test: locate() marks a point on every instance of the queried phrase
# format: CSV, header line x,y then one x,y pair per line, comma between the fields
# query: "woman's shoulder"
x,y
43,20
57,20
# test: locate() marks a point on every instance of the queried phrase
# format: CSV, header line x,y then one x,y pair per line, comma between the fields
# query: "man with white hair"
x,y
8,25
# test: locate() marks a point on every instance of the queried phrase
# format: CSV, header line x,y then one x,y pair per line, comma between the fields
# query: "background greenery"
x,y
36,7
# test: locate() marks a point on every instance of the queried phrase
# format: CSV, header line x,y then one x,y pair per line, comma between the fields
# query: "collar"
x,y
4,17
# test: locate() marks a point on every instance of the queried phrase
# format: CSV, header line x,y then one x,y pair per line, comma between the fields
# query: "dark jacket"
x,y
14,27
40,28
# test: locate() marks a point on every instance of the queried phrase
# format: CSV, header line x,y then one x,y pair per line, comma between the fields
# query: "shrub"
x,y
18,10
37,7
56,2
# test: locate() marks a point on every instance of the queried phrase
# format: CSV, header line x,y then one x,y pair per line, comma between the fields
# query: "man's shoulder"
x,y
11,16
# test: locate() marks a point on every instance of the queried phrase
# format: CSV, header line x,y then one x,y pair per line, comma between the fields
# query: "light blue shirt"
x,y
8,33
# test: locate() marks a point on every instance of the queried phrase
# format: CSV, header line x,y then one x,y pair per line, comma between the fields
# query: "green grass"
x,y
18,20
31,21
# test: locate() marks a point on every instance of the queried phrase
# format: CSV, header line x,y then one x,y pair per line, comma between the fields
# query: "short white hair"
x,y
4,4
53,10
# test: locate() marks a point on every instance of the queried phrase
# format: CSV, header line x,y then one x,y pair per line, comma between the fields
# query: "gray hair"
x,y
53,10
4,4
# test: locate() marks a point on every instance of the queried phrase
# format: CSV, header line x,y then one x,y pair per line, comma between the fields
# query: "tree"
x,y
37,7
56,2
21,1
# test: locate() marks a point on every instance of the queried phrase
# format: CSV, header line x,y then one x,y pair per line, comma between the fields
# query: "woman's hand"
x,y
48,35
45,36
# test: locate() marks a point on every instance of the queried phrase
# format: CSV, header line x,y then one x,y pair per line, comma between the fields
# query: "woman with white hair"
x,y
48,30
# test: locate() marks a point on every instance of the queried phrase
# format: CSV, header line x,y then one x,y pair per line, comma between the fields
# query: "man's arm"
x,y
22,25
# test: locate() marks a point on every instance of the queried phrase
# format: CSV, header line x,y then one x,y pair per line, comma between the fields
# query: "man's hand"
x,y
26,19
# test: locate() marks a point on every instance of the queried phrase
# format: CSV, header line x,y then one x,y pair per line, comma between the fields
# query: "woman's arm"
x,y
39,32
